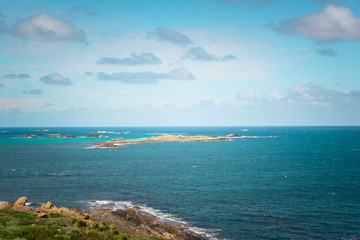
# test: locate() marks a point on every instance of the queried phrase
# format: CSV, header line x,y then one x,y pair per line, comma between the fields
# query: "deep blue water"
x,y
289,182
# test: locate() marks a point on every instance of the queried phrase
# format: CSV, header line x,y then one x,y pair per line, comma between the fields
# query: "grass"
x,y
21,225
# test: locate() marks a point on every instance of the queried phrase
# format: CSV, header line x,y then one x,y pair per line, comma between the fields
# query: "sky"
x,y
179,63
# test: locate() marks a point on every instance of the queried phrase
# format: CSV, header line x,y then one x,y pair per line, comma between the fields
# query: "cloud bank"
x,y
145,77
169,35
55,79
332,24
47,28
134,60
304,94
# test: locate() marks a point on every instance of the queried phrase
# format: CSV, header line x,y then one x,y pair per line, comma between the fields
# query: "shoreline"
x,y
130,220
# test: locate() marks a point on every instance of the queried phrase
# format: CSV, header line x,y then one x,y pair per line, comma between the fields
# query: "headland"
x,y
52,222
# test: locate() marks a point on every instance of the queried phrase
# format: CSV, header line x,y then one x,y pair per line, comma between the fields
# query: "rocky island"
x,y
17,221
120,142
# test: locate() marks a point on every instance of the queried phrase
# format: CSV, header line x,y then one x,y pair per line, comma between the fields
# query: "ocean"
x,y
280,183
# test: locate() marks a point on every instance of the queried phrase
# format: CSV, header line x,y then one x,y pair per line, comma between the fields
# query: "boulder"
x,y
43,215
47,206
19,205
20,202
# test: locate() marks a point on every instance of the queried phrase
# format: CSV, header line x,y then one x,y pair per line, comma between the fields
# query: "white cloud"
x,y
134,60
47,28
327,52
304,94
332,24
273,96
200,54
15,76
169,35
146,77
246,95
55,79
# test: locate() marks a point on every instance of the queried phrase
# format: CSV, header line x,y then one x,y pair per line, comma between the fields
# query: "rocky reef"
x,y
120,142
120,224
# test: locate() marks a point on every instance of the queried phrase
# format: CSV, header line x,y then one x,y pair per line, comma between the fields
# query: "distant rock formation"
x,y
233,135
120,142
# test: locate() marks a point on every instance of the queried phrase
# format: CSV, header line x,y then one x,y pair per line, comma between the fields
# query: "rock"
x,y
19,205
233,135
6,205
21,209
20,202
47,206
130,213
43,215
86,216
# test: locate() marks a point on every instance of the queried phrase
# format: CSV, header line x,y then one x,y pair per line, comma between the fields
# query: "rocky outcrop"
x,y
130,221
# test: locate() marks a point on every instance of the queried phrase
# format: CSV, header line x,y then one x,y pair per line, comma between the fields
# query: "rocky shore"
x,y
120,224
120,142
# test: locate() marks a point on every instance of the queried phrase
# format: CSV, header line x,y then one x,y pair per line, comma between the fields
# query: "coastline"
x,y
133,222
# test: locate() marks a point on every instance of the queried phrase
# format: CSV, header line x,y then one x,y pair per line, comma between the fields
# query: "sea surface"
x,y
281,183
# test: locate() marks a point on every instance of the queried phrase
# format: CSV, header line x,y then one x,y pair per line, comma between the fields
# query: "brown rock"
x,y
47,206
130,213
19,205
6,205
20,202
43,215
21,208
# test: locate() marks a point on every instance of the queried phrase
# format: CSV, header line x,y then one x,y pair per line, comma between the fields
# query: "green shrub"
x,y
80,224
3,221
34,233
56,215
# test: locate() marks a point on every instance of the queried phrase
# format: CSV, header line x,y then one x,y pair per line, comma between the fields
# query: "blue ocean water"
x,y
286,182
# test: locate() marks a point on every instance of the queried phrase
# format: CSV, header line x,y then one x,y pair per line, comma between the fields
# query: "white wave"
x,y
43,130
164,217
126,132
4,131
2,202
165,133
101,132
90,147
244,130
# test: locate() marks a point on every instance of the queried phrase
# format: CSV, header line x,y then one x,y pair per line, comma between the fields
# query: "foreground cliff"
x,y
50,222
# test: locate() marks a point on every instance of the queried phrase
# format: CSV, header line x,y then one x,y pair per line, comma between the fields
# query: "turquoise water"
x,y
288,182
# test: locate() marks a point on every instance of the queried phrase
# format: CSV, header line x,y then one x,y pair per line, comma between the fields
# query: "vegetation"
x,y
22,225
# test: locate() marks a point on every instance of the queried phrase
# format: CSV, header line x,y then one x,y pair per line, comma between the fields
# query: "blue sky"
x,y
179,63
